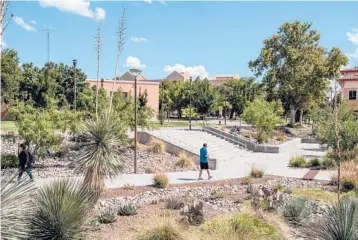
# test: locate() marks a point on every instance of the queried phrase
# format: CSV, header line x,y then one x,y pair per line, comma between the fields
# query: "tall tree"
x,y
10,76
293,61
203,96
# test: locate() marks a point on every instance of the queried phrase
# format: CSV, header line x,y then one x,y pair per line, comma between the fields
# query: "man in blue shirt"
x,y
204,163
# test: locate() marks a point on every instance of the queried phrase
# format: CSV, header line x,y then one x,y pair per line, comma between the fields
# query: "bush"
x,y
193,213
295,210
246,180
157,146
165,231
298,162
174,203
328,163
129,186
184,160
278,188
216,194
338,222
160,180
314,162
348,184
61,209
109,215
256,172
241,226
127,210
9,161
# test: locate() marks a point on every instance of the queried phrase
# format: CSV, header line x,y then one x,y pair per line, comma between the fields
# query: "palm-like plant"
x,y
61,208
15,206
338,222
98,155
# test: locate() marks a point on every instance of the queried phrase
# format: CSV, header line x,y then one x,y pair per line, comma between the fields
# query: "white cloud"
x,y
353,36
139,39
33,22
134,62
194,71
19,21
80,7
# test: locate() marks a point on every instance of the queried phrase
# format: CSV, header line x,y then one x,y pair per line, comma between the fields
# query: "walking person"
x,y
25,162
204,163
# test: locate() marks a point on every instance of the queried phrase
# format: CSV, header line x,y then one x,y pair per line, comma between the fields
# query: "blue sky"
x,y
204,38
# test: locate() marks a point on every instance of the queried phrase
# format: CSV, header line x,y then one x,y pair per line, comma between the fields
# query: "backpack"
x,y
30,159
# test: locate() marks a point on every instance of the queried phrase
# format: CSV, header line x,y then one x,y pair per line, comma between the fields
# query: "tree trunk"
x,y
301,117
293,117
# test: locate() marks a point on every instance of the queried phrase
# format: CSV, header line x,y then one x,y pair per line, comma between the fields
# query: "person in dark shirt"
x,y
24,162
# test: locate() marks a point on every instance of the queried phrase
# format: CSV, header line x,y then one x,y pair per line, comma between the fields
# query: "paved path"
x,y
233,162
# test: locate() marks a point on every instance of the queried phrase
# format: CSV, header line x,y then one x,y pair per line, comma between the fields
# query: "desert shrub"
x,y
9,161
295,210
246,134
109,215
314,162
348,184
328,163
160,180
164,231
128,187
338,222
131,144
156,146
127,210
315,194
256,172
278,188
184,160
216,194
174,203
246,180
298,162
61,209
193,213
250,188
241,226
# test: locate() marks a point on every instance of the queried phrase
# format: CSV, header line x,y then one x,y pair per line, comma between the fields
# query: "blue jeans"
x,y
23,169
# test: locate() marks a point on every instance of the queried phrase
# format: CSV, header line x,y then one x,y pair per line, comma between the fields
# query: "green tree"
x,y
10,76
264,116
203,96
187,111
293,62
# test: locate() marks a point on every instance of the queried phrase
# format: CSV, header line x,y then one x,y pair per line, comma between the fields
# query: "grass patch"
x,y
8,126
241,226
299,162
315,194
160,180
167,230
128,187
314,162
156,146
256,172
184,160
329,163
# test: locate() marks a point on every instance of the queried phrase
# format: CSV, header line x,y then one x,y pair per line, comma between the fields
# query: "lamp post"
x,y
75,82
135,73
190,79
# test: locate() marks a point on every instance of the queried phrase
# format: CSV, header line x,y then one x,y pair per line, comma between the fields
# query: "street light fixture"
x,y
135,73
190,79
75,82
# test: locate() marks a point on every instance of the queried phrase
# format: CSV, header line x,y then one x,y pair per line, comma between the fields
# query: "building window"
x,y
352,95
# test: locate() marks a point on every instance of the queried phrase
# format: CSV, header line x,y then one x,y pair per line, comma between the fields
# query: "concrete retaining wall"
x,y
289,146
144,138
309,140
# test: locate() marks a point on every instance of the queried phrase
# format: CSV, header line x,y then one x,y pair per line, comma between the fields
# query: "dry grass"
x,y
315,194
156,146
184,160
299,162
349,170
160,180
256,172
139,145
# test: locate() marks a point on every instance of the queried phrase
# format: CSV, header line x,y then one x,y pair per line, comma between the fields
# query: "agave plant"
x,y
61,208
338,222
127,210
109,215
295,210
98,153
15,206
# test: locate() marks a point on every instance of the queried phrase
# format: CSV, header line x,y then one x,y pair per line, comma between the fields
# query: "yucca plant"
x,y
15,206
98,155
127,210
295,210
338,222
61,209
109,215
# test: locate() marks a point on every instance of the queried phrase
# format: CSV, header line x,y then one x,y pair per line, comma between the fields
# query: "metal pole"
x,y
135,124
190,105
